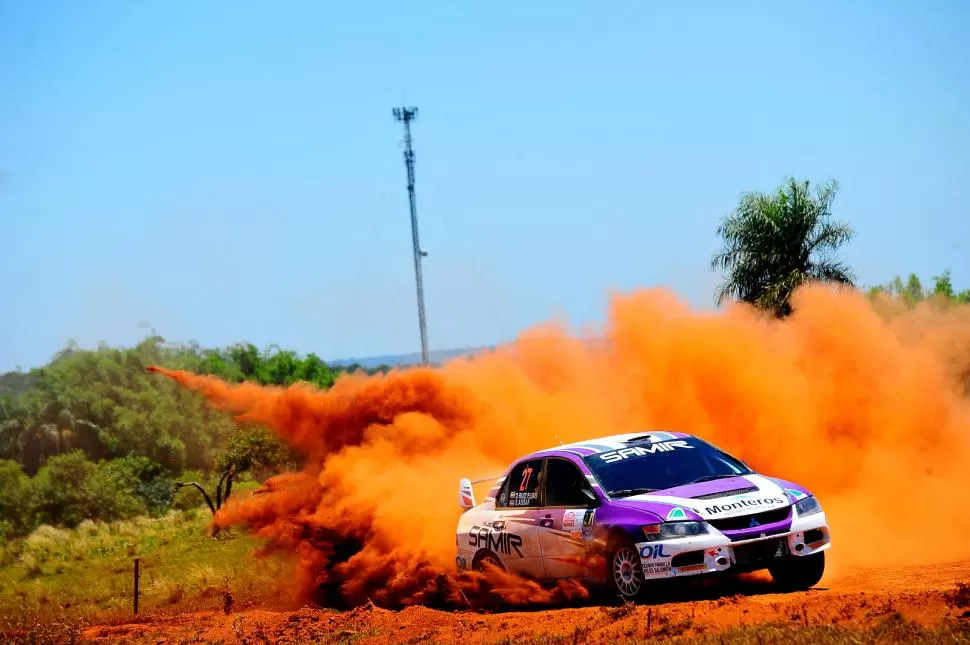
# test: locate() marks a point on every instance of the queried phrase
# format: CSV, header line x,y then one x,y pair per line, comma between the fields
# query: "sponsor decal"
x,y
796,494
743,504
523,499
656,568
639,451
815,545
692,567
677,514
588,524
650,551
569,520
484,537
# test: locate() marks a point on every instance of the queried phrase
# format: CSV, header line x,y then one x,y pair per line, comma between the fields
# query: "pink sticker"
x,y
569,520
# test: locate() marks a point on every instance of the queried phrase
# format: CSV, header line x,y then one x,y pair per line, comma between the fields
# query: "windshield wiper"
x,y
627,492
707,478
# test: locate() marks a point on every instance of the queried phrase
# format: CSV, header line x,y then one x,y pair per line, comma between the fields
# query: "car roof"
x,y
597,445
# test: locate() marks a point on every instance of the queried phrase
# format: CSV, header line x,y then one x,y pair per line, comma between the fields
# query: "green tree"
x,y
774,243
14,500
912,291
257,450
943,286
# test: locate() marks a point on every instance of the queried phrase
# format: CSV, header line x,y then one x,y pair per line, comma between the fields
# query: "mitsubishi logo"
x,y
753,523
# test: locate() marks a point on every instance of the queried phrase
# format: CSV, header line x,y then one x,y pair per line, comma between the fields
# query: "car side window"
x,y
566,485
521,488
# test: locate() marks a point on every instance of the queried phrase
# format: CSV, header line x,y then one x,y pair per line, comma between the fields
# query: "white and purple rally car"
x,y
626,509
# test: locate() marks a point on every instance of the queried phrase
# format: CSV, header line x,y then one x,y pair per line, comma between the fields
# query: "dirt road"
x,y
922,594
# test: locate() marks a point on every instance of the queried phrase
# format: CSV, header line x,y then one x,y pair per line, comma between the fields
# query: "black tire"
x,y
624,574
487,558
799,573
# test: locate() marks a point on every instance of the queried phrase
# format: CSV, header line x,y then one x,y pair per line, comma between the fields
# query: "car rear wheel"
x,y
799,573
486,560
625,574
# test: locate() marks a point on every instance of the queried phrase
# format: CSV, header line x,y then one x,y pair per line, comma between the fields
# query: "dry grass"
x,y
63,575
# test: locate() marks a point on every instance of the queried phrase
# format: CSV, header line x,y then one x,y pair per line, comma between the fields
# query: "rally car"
x,y
623,510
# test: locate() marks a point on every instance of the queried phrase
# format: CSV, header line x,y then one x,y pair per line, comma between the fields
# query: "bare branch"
x,y
208,500
226,480
232,473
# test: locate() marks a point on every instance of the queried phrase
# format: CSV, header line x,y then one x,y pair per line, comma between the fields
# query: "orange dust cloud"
x,y
864,404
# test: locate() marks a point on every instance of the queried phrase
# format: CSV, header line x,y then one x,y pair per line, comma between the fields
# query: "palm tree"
x,y
774,243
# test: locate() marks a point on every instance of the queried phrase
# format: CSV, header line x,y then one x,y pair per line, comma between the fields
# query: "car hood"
x,y
721,498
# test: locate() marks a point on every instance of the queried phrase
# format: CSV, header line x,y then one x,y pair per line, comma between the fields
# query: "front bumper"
x,y
716,552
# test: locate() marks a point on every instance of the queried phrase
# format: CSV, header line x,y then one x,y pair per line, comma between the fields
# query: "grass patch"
x,y
58,574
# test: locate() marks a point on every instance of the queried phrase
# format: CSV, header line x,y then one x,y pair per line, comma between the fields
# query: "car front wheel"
x,y
799,573
625,575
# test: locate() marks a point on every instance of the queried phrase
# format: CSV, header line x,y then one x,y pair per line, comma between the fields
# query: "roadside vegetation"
x,y
87,571
92,436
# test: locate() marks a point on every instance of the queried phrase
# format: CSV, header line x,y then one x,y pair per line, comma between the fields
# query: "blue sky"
x,y
230,171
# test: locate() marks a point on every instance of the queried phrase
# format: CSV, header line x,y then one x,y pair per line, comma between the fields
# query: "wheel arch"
x,y
482,553
618,533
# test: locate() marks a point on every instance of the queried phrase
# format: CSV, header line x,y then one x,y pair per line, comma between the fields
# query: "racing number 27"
x,y
526,475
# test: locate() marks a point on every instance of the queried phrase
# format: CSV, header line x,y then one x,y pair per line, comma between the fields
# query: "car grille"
x,y
763,552
728,493
685,559
744,521
747,535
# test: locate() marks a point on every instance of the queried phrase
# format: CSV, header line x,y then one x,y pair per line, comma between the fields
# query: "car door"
x,y
512,531
567,496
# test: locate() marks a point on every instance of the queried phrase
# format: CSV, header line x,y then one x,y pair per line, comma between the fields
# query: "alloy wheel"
x,y
627,573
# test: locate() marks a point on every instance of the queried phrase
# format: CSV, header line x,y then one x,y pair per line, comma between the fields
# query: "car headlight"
x,y
669,530
808,506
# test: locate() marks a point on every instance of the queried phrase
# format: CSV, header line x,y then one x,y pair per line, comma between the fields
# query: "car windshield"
x,y
644,467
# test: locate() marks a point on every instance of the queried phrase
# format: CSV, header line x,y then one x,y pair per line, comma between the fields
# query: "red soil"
x,y
926,594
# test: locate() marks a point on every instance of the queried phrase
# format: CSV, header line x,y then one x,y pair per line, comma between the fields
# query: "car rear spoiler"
x,y
466,496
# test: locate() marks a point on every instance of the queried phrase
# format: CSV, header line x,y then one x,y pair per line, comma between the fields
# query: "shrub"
x,y
70,489
14,494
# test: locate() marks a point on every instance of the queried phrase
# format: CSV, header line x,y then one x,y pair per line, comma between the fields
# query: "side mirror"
x,y
466,496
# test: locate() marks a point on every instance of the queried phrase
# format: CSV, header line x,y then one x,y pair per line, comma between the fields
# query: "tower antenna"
x,y
408,114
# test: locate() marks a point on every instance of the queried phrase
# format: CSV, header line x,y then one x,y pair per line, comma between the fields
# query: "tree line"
x,y
91,435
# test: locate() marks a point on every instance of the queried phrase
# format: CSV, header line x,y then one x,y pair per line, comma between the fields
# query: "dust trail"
x,y
865,405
